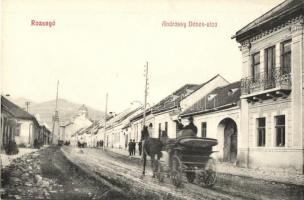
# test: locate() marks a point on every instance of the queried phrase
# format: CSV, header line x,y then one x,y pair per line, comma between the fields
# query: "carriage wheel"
x,y
207,178
190,176
176,171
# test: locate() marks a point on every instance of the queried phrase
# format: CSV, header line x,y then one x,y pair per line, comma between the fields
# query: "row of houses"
x,y
20,128
258,120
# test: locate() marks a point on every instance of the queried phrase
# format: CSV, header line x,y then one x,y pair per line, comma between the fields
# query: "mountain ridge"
x,y
67,110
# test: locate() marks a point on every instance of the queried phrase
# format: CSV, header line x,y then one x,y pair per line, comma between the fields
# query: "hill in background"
x,y
66,109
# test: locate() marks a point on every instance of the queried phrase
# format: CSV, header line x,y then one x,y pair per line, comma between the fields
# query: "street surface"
x,y
97,174
126,172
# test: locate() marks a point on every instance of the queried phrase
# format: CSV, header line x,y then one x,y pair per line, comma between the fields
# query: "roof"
x,y
93,128
276,16
141,114
174,99
15,110
220,98
66,124
205,83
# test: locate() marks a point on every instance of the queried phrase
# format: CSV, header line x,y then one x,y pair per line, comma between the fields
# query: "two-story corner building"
x,y
217,115
272,105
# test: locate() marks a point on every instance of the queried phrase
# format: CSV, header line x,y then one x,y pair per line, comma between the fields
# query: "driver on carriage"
x,y
189,130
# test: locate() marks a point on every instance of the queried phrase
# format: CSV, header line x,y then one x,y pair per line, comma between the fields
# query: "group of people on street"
x,y
100,143
132,147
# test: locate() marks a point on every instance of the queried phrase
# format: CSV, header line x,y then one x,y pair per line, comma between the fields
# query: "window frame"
x,y
282,133
159,130
283,57
266,60
263,129
255,67
18,130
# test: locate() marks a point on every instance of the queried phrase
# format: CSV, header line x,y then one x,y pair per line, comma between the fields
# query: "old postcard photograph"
x,y
156,100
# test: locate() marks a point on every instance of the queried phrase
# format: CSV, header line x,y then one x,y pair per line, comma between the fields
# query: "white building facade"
x,y
272,105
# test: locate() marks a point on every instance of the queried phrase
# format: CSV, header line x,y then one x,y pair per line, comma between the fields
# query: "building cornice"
x,y
294,24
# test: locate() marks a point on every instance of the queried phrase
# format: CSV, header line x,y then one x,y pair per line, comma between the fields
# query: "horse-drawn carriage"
x,y
189,156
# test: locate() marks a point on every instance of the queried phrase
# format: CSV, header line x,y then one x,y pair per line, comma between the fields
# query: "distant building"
x,y
272,103
80,121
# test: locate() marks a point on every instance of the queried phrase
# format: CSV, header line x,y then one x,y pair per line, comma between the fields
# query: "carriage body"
x,y
191,156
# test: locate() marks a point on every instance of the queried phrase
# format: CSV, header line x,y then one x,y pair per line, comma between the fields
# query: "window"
x,y
280,130
286,57
159,130
166,127
269,62
261,132
204,129
256,66
17,133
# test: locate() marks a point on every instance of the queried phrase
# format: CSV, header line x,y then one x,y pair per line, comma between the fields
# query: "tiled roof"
x,y
273,17
129,114
205,83
217,99
15,110
174,99
140,115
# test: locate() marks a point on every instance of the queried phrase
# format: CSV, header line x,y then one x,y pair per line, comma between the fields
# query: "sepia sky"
x,y
102,46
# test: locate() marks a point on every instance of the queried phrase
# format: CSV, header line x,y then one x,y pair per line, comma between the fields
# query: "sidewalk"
x,y
228,168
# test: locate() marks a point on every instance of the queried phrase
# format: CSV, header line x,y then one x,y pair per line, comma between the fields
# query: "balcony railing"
x,y
278,78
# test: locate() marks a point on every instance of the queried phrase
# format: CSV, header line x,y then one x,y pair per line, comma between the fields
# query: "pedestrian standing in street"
x,y
134,147
140,147
130,147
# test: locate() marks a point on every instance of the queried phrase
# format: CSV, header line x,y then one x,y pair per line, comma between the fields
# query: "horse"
x,y
151,147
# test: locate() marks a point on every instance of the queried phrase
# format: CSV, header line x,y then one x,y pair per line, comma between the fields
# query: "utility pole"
x,y
146,92
27,103
55,117
105,121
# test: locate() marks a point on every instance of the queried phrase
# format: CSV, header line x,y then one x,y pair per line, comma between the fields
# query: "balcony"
x,y
265,85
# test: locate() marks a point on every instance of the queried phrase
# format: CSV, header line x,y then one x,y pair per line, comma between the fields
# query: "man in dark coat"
x,y
133,147
130,147
139,147
191,126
